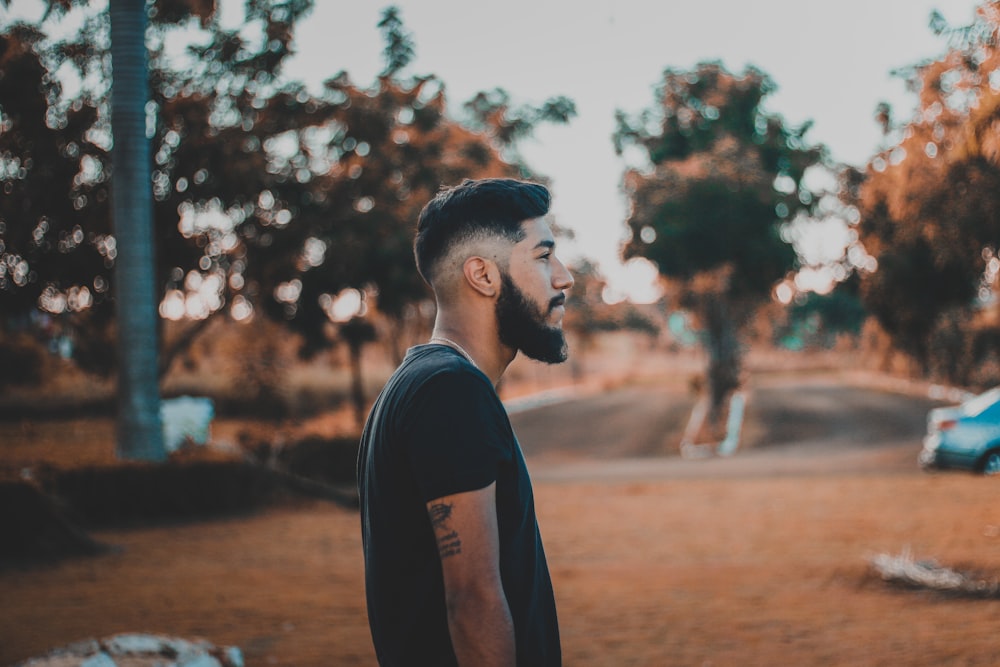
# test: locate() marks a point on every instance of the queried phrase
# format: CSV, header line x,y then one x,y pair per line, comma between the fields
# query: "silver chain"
x,y
458,348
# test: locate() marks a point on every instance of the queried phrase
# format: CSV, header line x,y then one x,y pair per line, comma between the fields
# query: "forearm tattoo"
x,y
448,541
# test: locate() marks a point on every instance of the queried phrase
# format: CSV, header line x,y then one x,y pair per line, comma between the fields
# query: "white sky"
x,y
830,60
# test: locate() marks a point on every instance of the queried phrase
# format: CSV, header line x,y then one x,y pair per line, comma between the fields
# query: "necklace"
x,y
458,348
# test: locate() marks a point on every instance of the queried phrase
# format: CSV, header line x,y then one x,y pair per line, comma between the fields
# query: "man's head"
x,y
495,227
491,208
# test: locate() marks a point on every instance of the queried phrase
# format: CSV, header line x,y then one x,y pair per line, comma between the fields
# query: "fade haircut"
x,y
476,208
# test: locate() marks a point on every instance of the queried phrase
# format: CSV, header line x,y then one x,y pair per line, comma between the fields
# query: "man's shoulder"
x,y
440,367
429,375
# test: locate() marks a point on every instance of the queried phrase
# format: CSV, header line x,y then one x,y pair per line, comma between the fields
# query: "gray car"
x,y
965,436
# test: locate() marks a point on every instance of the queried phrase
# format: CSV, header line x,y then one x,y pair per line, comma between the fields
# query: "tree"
x,y
268,199
140,432
820,319
139,429
55,251
929,205
588,314
394,145
222,173
724,178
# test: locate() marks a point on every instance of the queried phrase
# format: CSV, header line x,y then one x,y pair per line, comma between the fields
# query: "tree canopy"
x,y
270,199
723,178
929,204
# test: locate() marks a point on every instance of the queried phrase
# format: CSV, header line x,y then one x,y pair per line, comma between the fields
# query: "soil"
x,y
757,559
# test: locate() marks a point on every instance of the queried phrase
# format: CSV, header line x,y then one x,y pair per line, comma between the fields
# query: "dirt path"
x,y
759,559
767,571
749,571
794,417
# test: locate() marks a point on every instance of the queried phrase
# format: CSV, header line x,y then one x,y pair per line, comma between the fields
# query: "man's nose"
x,y
562,279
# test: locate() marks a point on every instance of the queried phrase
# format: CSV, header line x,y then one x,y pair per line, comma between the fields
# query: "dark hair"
x,y
494,206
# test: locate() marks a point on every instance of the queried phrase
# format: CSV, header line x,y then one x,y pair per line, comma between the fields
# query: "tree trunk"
x,y
396,334
181,343
577,364
724,355
357,386
356,332
140,433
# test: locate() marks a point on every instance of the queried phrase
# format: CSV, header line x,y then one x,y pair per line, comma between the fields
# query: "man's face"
x,y
530,306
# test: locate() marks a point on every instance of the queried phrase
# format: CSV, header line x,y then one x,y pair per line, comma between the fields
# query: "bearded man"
x,y
455,572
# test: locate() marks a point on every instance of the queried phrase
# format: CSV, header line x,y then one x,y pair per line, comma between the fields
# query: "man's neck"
x,y
482,348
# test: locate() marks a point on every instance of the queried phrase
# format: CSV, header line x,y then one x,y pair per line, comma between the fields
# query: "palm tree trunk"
x,y
140,433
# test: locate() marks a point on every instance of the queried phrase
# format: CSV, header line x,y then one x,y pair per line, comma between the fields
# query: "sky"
x,y
831,62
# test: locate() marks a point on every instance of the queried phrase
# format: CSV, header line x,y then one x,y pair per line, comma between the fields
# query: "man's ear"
x,y
482,274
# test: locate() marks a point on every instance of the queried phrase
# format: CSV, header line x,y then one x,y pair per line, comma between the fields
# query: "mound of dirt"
x,y
45,518
35,529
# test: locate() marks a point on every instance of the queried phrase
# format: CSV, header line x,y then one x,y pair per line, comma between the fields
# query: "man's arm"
x,y
465,527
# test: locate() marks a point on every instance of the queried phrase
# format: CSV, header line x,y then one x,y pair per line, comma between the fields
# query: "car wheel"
x,y
991,464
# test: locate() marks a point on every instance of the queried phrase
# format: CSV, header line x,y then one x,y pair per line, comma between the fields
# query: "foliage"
x,y
399,46
494,113
929,205
47,242
22,359
269,199
588,314
58,249
724,178
839,311
710,199
819,319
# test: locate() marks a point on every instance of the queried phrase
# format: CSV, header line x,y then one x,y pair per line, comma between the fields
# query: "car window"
x,y
991,413
976,406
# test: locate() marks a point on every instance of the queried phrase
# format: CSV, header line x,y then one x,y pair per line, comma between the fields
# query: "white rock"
x,y
140,650
99,660
186,418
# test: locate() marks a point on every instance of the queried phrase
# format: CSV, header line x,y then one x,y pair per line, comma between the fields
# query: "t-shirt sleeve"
x,y
458,435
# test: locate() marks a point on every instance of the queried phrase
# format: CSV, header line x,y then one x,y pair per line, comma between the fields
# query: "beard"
x,y
522,325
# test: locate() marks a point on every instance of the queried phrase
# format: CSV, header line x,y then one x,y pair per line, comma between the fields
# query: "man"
x,y
455,572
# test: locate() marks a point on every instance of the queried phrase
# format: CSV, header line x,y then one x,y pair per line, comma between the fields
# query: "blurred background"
x,y
737,188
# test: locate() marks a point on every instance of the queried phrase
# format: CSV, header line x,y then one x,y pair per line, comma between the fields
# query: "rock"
x,y
139,650
186,419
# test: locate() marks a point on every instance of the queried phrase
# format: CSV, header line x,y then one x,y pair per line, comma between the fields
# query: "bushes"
x,y
331,461
184,489
33,529
140,493
22,360
43,519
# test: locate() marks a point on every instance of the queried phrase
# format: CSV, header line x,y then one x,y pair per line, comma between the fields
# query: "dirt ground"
x,y
715,562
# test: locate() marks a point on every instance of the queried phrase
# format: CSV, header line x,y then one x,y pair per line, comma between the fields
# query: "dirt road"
x,y
793,424
756,559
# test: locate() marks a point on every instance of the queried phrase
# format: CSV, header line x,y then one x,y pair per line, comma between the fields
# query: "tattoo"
x,y
440,513
449,544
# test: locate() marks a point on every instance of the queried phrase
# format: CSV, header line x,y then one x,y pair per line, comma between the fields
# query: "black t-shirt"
x,y
438,428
